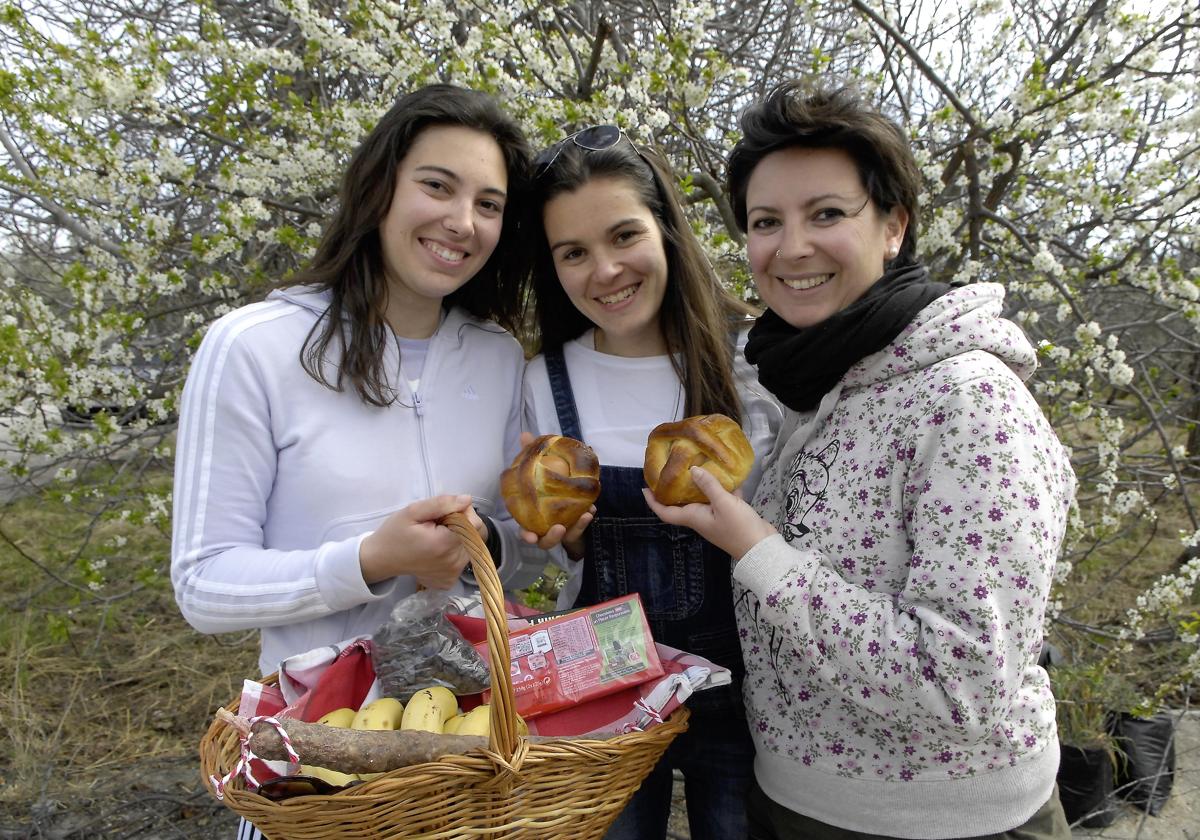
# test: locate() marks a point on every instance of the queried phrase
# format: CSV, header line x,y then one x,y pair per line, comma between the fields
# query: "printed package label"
x,y
581,655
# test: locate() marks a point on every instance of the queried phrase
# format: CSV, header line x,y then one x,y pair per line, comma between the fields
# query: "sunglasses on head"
x,y
594,138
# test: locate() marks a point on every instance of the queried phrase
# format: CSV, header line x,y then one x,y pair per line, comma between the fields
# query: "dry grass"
x,y
84,737
146,693
1108,576
93,690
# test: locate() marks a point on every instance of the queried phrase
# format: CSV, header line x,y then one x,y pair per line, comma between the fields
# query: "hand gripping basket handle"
x,y
503,737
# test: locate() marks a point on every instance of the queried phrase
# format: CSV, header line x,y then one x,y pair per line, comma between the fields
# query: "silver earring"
x,y
892,252
779,253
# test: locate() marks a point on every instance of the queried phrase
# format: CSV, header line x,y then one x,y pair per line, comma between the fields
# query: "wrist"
x,y
368,561
746,547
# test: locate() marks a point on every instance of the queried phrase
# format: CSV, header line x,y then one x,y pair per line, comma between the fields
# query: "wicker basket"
x,y
514,789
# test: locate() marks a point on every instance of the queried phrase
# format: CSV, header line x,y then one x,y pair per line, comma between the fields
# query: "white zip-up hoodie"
x,y
278,478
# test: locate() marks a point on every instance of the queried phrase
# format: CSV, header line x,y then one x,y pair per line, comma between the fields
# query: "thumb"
x,y
708,484
526,439
435,507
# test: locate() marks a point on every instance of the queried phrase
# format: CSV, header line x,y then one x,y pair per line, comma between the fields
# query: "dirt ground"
x,y
164,800
151,800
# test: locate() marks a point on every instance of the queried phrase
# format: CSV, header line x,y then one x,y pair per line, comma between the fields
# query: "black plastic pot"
x,y
1145,759
1085,786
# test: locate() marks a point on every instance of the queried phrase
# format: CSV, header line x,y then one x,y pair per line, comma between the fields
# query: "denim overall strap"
x,y
684,581
685,585
564,397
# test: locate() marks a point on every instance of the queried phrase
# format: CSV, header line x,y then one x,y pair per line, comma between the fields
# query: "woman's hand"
x,y
726,521
571,538
411,542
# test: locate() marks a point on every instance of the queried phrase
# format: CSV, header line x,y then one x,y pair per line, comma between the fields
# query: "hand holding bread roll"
x,y
712,442
553,481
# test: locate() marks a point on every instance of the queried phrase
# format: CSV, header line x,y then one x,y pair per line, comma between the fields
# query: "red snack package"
x,y
585,654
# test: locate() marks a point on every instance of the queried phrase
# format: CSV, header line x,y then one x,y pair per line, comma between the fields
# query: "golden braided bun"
x,y
552,481
710,441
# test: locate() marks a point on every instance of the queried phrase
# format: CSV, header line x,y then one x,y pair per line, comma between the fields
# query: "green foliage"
x,y
1084,697
1190,625
543,594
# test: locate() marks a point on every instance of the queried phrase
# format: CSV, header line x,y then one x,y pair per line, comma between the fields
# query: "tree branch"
x,y
584,91
713,190
52,207
926,70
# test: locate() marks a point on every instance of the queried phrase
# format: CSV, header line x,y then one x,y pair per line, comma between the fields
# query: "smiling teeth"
x,y
445,253
617,297
807,282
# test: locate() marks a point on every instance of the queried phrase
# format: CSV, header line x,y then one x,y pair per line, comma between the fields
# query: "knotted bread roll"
x,y
710,441
552,481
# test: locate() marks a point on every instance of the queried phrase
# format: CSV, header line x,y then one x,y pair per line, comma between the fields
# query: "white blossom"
x,y
1120,374
1046,263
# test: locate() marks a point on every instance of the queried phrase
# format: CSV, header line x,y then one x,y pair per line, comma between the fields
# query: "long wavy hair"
x,y
348,262
697,314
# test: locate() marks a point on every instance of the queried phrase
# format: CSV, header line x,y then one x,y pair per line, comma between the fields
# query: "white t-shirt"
x,y
620,399
412,359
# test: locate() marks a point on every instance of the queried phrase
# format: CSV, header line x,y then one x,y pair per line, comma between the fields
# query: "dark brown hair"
x,y
349,261
791,115
697,314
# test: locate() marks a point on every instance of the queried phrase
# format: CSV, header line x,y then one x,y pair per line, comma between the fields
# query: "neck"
x,y
411,316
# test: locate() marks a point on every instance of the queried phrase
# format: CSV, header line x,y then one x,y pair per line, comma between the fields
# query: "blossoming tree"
x,y
166,161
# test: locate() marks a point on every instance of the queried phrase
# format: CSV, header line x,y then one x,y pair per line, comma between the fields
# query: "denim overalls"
x,y
685,584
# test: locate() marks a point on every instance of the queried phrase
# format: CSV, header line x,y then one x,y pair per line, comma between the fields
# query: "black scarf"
x,y
801,365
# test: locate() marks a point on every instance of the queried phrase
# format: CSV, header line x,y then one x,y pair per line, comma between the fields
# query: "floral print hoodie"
x,y
891,629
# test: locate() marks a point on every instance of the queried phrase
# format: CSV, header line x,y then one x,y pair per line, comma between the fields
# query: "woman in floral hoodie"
x,y
892,575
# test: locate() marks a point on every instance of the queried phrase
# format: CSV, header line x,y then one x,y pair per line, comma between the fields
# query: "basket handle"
x,y
503,737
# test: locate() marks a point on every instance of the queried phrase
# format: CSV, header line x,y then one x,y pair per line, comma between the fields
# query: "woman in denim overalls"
x,y
635,330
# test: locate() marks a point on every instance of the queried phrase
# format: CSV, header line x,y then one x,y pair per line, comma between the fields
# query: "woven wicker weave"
x,y
515,789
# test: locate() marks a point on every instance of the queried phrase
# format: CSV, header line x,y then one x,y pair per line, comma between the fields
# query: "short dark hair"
x,y
697,312
349,259
791,115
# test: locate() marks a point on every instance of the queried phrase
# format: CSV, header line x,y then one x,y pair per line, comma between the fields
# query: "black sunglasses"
x,y
594,138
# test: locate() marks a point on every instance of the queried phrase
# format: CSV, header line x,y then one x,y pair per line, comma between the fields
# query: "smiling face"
x,y
443,223
815,240
609,254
